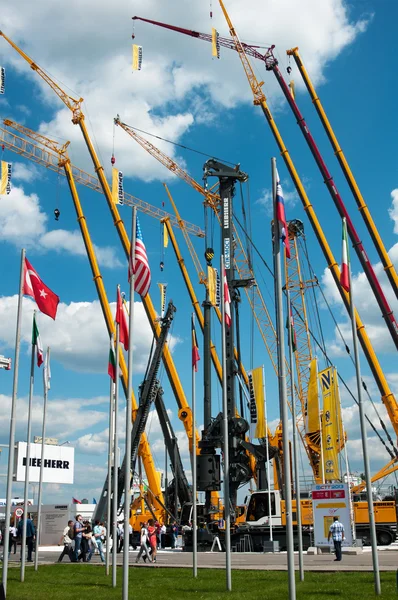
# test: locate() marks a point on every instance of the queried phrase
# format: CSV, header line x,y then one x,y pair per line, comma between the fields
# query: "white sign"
x,y
328,501
59,462
18,512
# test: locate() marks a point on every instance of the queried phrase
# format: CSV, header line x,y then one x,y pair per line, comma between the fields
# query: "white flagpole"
x,y
10,470
115,462
43,433
283,392
295,449
110,448
375,558
227,508
267,459
28,436
127,462
194,491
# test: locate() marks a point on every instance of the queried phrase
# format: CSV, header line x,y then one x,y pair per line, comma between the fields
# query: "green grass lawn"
x,y
83,582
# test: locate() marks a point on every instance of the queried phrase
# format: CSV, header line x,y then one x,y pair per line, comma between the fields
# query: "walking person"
x,y
163,536
97,534
87,542
174,531
78,529
13,537
336,532
67,542
143,544
30,535
152,531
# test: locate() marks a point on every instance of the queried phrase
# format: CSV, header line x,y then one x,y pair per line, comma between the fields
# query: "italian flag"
x,y
112,362
36,341
344,279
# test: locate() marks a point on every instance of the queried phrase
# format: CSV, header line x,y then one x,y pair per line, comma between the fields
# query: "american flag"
x,y
141,270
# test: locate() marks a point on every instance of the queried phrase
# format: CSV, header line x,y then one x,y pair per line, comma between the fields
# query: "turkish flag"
x,y
33,286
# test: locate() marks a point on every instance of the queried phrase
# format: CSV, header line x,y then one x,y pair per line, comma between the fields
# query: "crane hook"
x,y
57,214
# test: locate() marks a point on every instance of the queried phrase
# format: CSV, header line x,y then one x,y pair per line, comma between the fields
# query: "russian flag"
x,y
280,215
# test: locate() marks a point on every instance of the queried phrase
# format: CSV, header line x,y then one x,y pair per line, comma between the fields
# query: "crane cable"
x,y
382,424
158,137
324,353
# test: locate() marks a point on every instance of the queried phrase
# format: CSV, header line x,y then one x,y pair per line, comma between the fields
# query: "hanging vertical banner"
x,y
2,80
5,180
162,288
312,406
330,434
340,429
212,281
257,410
137,57
215,44
117,187
165,236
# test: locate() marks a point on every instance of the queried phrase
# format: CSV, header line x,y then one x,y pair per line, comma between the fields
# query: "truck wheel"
x,y
384,538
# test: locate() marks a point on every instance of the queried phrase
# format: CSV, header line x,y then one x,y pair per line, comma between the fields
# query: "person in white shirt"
x,y
67,541
143,542
163,536
13,539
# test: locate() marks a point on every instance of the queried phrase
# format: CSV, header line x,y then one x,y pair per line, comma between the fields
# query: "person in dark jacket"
x,y
30,535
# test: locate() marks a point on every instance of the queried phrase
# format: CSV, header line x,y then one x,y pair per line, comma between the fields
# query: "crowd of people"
x,y
81,541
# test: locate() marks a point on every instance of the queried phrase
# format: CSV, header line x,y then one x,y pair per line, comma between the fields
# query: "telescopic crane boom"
x,y
260,100
363,208
271,64
78,119
65,164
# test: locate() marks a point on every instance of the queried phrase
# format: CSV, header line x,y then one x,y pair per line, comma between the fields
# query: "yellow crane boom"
x,y
363,208
387,396
64,162
74,105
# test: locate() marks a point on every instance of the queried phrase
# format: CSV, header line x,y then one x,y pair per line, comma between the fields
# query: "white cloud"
x,y
64,417
60,240
393,211
78,338
23,223
175,68
24,173
367,307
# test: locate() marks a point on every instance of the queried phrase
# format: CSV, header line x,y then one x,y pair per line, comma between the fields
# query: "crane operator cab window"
x,y
258,507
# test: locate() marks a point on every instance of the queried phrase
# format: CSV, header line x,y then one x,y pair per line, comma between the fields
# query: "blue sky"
x,y
184,95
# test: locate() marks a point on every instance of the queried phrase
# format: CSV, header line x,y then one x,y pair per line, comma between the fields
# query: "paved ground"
x,y
388,560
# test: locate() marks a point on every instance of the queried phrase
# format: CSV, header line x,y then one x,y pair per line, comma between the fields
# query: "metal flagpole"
x,y
127,463
110,448
283,391
28,436
267,459
227,508
43,433
347,468
10,470
295,449
194,492
368,480
115,461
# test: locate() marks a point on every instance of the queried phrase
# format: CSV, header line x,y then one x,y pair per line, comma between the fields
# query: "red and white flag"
x,y
345,260
33,286
227,301
141,270
121,319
